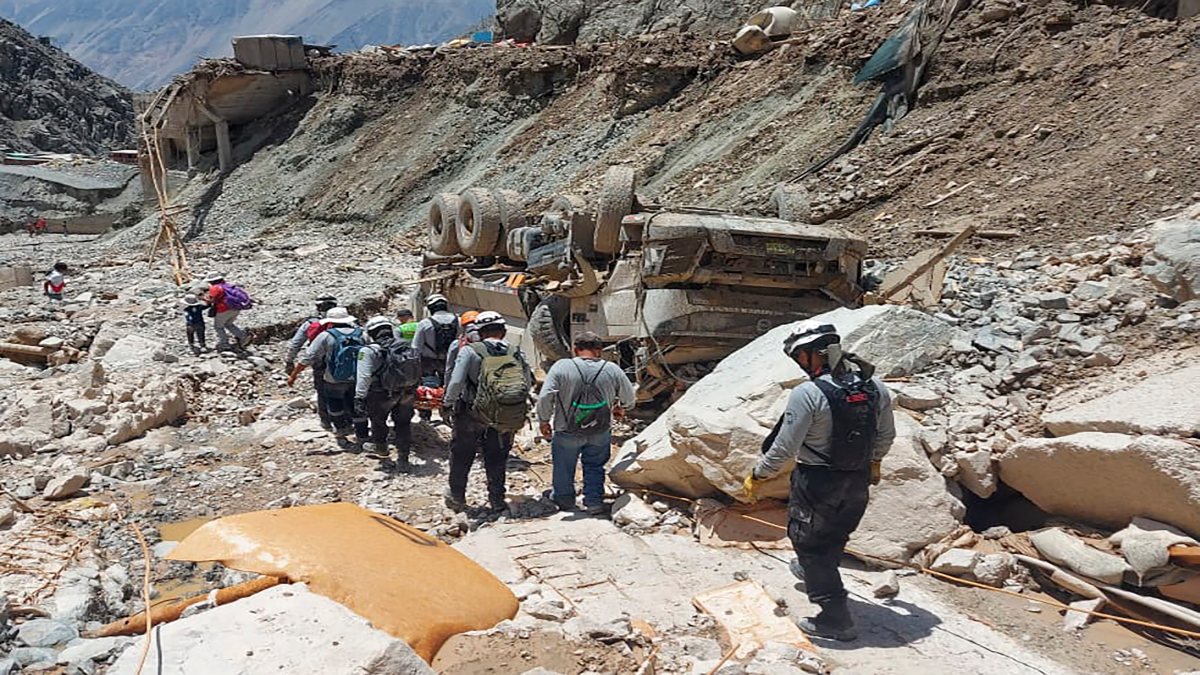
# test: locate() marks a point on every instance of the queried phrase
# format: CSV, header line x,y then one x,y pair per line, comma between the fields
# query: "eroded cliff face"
x,y
555,22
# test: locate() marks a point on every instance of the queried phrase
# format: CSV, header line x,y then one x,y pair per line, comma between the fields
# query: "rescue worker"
x,y
329,351
470,335
575,409
837,427
435,334
374,397
473,434
305,333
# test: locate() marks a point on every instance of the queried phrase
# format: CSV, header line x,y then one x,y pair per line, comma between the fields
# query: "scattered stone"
x,y
1056,545
28,656
7,516
994,569
887,586
1074,621
132,351
547,609
65,486
975,472
99,649
1054,300
630,511
45,633
956,561
915,397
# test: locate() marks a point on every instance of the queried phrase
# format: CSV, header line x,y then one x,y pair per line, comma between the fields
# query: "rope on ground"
x,y
137,532
965,582
725,659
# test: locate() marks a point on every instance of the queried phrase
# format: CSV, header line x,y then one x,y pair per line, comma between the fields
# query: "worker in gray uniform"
x,y
435,334
837,427
305,333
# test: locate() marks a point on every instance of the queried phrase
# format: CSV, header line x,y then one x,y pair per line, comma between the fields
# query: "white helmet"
x,y
435,299
489,319
378,322
812,335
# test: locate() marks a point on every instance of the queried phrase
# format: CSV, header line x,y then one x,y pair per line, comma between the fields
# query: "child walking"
x,y
193,314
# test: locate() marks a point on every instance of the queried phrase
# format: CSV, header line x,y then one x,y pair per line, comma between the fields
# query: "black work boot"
x,y
456,503
833,622
402,463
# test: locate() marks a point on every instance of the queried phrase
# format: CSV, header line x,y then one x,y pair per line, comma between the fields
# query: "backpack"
x,y
236,297
343,362
314,328
502,397
853,404
444,334
400,368
589,410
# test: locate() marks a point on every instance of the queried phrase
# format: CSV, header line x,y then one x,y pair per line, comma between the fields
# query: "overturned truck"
x,y
671,291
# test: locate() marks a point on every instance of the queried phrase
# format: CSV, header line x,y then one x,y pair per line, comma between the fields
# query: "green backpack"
x,y
502,397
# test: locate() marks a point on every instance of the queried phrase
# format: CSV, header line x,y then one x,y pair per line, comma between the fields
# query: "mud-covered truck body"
x,y
676,291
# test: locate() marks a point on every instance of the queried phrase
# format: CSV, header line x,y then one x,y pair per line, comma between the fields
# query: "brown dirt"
x,y
503,655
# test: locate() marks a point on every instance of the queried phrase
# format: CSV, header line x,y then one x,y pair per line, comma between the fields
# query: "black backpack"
x,y
399,368
854,405
589,410
444,333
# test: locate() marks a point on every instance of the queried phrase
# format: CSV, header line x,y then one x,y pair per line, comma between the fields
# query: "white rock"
x,y
710,438
915,397
956,561
52,343
975,472
1073,621
65,486
1167,404
1108,479
993,569
45,633
630,510
7,517
546,609
285,629
887,586
82,651
1174,264
132,351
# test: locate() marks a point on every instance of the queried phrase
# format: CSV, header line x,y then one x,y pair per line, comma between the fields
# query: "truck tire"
x,y
443,224
511,204
549,328
479,223
791,202
616,202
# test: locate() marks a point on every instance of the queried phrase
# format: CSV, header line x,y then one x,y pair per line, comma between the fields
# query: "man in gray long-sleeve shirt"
x,y
581,395
378,397
301,338
837,427
435,334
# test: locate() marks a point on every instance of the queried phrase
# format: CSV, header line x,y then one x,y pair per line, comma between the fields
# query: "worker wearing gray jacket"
x,y
435,334
386,386
575,408
312,327
837,427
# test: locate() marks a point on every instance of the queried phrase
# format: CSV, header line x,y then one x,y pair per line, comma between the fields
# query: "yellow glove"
x,y
876,471
749,486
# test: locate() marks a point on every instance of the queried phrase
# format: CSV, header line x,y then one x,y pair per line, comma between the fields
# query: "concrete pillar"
x,y
224,146
193,149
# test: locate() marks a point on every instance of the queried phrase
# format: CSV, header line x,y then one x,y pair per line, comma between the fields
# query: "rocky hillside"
x,y
144,43
51,102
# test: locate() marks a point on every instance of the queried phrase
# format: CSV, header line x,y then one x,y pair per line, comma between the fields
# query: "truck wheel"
x,y
549,328
791,202
616,202
443,223
478,222
511,204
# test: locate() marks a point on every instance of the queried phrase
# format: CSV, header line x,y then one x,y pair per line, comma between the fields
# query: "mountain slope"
x,y
143,43
49,101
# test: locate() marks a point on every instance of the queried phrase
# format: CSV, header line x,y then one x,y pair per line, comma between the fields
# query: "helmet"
x,y
378,322
436,299
326,303
468,317
489,319
339,316
810,335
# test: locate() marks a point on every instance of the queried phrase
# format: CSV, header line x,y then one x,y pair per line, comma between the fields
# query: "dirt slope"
x,y
1066,122
49,101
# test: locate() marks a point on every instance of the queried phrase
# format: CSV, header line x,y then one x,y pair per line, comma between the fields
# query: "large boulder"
x,y
913,505
285,629
1108,479
132,351
711,437
147,403
1166,404
1173,266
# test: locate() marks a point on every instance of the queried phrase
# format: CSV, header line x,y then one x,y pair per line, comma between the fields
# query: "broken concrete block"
x,y
65,486
630,511
1108,479
1056,545
956,561
1167,404
285,629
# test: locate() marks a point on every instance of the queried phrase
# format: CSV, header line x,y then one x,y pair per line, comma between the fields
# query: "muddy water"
x,y
191,584
178,531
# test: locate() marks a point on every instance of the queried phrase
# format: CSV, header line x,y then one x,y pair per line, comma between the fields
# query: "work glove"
x,y
876,471
292,379
750,487
547,430
360,408
289,367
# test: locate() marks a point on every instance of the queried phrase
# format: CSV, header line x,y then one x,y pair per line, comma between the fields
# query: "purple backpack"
x,y
236,297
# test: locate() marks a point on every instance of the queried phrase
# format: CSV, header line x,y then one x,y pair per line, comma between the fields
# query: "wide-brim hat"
x,y
190,300
214,278
340,316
